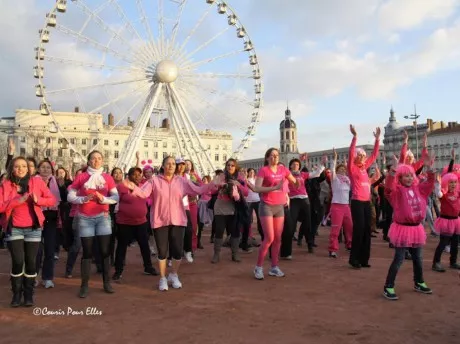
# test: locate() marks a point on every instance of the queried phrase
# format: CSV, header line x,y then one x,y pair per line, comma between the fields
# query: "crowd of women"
x,y
166,210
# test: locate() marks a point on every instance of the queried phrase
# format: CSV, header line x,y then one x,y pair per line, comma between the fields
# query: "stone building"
x,y
441,141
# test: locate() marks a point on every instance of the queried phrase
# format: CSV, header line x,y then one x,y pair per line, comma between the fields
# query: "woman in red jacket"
x,y
21,199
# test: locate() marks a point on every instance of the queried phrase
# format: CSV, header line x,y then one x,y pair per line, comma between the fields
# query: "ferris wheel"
x,y
192,59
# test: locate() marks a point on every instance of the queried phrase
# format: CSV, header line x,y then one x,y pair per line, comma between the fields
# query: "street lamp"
x,y
414,117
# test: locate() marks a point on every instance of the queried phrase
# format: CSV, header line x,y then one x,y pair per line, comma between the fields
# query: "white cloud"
x,y
408,14
394,38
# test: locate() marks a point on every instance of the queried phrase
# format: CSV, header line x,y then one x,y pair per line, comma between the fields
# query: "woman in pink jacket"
x,y
358,164
21,199
408,197
167,216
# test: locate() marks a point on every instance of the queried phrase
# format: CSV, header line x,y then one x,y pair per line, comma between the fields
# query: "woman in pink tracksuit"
x,y
167,215
340,208
408,197
358,165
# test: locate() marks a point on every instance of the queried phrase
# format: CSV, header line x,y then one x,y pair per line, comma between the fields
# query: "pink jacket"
x,y
360,187
167,205
409,203
9,199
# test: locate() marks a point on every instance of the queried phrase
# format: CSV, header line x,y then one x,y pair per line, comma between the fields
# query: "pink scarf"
x,y
54,189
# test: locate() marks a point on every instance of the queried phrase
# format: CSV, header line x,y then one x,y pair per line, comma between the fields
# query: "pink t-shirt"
x,y
92,208
271,179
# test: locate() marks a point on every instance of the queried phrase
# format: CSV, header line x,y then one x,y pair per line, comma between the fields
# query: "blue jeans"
x,y
94,225
398,259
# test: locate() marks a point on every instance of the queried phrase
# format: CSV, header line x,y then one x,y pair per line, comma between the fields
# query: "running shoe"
x,y
422,288
173,279
188,257
276,271
389,293
259,273
163,285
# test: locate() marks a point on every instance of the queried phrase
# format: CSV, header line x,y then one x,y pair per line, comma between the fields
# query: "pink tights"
x,y
273,229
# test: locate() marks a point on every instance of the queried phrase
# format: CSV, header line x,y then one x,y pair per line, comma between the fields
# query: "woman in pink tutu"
x,y
447,225
408,197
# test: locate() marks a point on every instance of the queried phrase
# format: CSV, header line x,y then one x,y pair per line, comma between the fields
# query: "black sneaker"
x,y
355,265
438,267
333,254
366,265
311,249
454,266
389,294
150,271
422,288
116,277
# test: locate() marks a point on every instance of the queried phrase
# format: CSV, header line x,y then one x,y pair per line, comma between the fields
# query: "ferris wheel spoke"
x,y
120,82
204,45
161,27
177,22
210,90
192,32
149,53
84,39
120,97
194,65
148,29
218,76
100,22
78,63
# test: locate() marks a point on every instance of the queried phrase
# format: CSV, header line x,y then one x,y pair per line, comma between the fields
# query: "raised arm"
x,y
437,187
452,161
427,186
375,151
352,150
334,163
191,189
402,154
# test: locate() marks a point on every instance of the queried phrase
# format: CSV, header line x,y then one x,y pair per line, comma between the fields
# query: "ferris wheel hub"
x,y
166,71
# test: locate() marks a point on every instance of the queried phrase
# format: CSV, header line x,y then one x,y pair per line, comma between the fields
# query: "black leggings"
x,y
23,255
443,242
226,222
104,246
171,237
126,233
301,212
361,241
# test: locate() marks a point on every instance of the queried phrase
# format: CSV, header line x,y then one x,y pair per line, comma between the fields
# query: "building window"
x,y
293,136
217,147
72,153
165,154
106,154
22,151
174,145
282,149
224,157
48,140
83,152
146,155
94,141
48,153
155,144
106,142
282,136
287,148
35,152
22,139
208,147
83,141
36,139
117,143
60,152
165,144
72,141
216,157
287,135
115,154
146,144
106,168
155,155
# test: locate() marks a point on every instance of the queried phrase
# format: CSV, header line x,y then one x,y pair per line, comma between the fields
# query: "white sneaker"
x,y
173,279
259,273
447,249
188,257
169,263
163,285
48,284
276,271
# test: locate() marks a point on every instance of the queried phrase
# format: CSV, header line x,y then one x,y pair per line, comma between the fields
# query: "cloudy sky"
x,y
336,61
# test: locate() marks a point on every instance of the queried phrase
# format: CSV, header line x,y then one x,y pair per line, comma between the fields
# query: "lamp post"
x,y
414,117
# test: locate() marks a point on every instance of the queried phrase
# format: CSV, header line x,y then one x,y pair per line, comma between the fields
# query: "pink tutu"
x,y
447,227
407,236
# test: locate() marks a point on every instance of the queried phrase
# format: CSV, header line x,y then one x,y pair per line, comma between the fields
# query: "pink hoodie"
x,y
360,187
167,199
416,165
409,203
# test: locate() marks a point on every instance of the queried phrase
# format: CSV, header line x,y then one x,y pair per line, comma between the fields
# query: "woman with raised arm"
x,y
94,191
167,215
269,183
340,208
21,202
358,163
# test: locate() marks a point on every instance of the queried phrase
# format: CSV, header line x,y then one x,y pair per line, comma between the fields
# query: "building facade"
x,y
441,142
36,135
